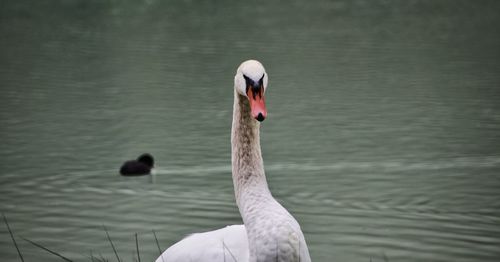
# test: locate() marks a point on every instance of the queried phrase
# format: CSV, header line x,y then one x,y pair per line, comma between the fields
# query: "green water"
x,y
383,133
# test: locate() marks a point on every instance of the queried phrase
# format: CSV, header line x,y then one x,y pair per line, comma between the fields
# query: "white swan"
x,y
269,232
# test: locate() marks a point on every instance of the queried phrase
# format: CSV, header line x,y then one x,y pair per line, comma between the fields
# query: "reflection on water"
x,y
382,136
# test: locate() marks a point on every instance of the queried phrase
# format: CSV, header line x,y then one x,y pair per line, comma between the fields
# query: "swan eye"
x,y
252,84
248,80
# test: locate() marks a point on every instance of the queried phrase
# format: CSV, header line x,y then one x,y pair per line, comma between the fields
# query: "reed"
x,y
102,259
97,259
111,242
224,246
47,249
137,248
12,236
93,257
384,256
158,245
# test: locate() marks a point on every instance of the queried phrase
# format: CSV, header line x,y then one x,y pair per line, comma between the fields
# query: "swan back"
x,y
226,244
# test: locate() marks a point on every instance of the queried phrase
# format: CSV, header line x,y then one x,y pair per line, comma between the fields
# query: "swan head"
x,y
251,82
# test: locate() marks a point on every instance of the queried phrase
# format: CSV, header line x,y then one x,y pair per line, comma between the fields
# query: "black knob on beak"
x,y
260,117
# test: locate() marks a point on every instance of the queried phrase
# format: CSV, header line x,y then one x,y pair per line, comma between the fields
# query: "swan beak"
x,y
257,103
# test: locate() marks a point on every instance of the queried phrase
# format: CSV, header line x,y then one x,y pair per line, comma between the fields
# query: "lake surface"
x,y
383,133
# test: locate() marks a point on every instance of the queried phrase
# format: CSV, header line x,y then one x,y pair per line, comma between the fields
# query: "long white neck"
x,y
247,164
273,234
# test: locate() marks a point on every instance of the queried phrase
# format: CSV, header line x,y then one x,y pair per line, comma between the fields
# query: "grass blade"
x,y
102,259
111,242
92,256
158,245
137,248
46,249
231,253
12,236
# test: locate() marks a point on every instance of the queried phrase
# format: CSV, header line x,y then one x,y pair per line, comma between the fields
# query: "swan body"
x,y
225,244
270,233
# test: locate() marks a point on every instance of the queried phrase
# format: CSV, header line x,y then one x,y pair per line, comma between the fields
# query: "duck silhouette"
x,y
141,166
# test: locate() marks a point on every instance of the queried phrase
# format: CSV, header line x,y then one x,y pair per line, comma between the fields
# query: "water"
x,y
382,136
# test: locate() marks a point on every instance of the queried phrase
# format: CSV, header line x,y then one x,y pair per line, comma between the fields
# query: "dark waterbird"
x,y
141,166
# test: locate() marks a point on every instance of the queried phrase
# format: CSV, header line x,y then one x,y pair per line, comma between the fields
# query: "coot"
x,y
139,167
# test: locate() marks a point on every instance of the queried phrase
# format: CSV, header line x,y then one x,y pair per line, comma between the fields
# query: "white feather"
x,y
226,244
270,233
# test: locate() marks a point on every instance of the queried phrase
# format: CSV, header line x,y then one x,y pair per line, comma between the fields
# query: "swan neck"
x,y
266,221
247,164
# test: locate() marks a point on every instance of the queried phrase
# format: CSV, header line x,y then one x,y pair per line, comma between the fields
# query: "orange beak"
x,y
257,103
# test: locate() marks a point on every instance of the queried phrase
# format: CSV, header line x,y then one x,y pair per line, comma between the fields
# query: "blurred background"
x,y
383,133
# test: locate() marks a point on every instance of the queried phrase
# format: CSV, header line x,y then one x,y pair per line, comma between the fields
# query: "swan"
x,y
269,233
